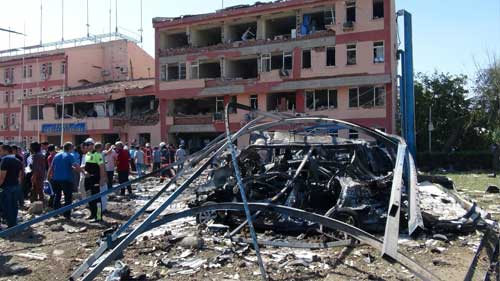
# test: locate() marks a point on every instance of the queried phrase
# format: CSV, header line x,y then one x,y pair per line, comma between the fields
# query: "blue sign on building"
x,y
68,128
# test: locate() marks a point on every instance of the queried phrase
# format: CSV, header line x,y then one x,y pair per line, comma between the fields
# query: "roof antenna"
x,y
62,20
41,14
141,30
110,17
116,16
88,25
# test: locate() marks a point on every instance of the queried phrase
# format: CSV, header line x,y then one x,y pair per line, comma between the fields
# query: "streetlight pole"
x,y
431,128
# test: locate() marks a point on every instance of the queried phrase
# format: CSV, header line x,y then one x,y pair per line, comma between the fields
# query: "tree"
x,y
451,115
487,98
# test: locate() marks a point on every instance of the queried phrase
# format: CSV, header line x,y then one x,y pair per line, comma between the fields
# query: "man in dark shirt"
x,y
10,177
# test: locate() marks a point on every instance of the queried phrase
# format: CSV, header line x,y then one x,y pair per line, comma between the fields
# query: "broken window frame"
x,y
219,109
233,109
328,63
219,104
351,52
163,72
13,119
254,102
331,99
182,71
378,52
34,112
194,69
309,64
350,7
353,99
287,55
265,63
376,95
377,12
9,74
49,68
379,96
69,111
330,14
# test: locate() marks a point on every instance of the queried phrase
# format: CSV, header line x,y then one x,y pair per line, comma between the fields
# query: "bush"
x,y
459,161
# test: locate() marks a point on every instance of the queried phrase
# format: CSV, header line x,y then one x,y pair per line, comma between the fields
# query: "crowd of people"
x,y
47,173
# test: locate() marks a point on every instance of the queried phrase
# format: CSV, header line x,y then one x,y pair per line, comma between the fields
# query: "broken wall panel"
x,y
240,31
206,37
242,68
280,27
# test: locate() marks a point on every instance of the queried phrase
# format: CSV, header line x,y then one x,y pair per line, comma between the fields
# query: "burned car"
x,y
349,180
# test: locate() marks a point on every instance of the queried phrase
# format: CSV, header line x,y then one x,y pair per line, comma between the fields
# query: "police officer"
x,y
94,177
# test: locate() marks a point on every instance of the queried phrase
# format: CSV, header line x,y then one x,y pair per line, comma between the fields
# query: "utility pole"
x,y
41,14
431,128
116,16
110,17
62,20
88,25
141,30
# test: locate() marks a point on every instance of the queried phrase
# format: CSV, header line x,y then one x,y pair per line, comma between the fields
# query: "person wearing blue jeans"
x,y
61,174
10,177
139,161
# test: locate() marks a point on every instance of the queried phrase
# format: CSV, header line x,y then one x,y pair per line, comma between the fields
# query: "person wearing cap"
x,y
156,158
180,155
94,178
148,153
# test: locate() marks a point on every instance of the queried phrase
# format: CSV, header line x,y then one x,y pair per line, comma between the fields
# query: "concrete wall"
x,y
142,62
155,131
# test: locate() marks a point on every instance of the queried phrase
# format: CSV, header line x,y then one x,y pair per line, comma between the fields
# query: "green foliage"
x,y
451,110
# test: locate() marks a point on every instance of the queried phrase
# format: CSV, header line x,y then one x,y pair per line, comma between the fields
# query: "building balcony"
x,y
202,119
167,52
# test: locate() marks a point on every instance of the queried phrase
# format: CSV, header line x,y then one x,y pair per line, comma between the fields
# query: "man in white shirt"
x,y
109,155
139,160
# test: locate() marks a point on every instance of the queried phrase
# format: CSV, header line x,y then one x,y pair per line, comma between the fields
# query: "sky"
x,y
454,36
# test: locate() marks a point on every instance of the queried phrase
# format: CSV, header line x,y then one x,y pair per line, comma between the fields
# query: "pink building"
x,y
95,77
316,57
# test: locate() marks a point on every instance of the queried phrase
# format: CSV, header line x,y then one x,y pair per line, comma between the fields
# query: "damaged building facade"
x,y
334,59
105,85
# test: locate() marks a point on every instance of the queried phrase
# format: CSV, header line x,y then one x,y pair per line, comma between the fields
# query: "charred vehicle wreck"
x,y
349,181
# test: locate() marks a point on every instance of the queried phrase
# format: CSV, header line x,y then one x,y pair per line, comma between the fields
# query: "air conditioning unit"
x,y
43,76
8,81
2,127
105,72
124,70
348,25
